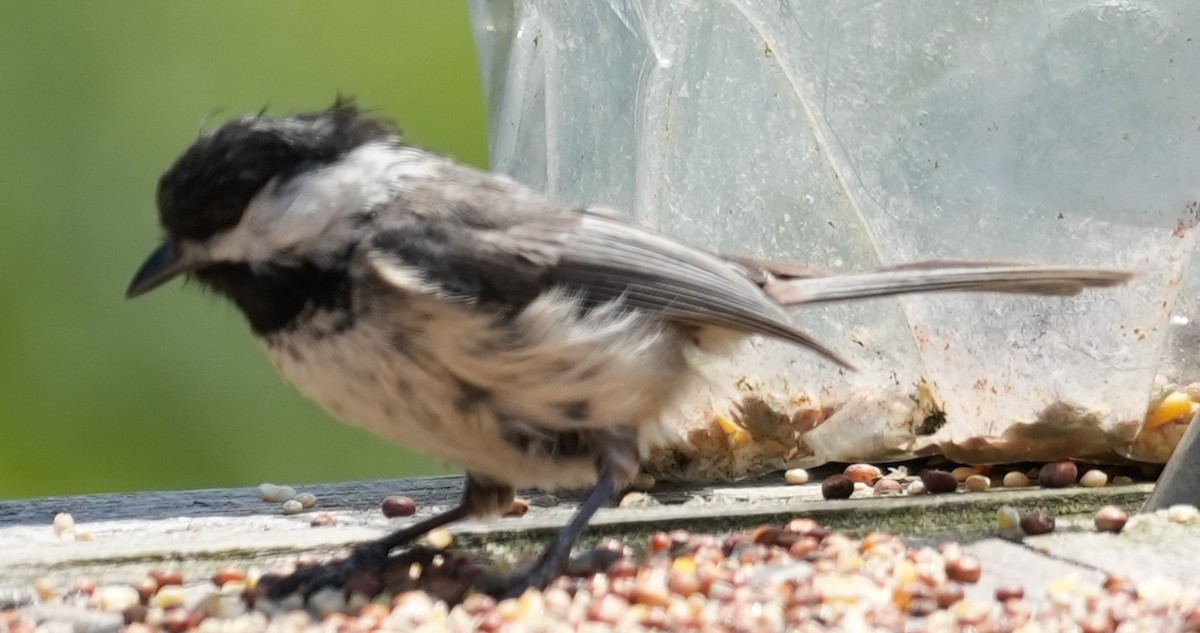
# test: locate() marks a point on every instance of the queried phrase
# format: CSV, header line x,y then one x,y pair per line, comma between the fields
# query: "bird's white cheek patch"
x,y
312,214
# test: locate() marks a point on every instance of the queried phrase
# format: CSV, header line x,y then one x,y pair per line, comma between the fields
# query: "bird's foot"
x,y
362,572
370,571
502,586
512,584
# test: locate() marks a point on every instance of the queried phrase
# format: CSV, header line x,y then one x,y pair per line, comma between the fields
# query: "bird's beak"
x,y
163,265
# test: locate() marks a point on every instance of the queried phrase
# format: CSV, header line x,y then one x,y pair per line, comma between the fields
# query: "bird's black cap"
x,y
210,185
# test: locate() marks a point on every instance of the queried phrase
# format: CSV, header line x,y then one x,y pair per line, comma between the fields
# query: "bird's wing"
x,y
477,238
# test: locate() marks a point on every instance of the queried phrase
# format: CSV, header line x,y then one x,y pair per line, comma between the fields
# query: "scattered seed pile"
x,y
800,577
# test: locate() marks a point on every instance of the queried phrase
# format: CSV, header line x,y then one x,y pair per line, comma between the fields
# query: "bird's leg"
x,y
480,497
554,559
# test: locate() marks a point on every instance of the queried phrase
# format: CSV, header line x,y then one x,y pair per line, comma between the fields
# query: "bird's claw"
x,y
365,564
504,586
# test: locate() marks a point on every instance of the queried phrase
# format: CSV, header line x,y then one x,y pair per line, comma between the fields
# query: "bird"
x,y
531,342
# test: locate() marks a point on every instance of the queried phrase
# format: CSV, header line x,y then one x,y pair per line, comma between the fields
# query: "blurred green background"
x,y
96,100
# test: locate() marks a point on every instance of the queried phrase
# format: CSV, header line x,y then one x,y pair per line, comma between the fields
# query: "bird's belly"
x,y
531,416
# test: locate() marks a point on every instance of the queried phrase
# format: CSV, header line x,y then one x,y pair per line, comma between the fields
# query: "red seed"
x,y
948,594
398,506
167,576
965,568
228,574
765,534
1004,593
863,473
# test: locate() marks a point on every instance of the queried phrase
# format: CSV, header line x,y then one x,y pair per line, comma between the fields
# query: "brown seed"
x,y
519,508
837,487
1058,475
398,506
1004,593
863,473
1037,523
938,481
1110,519
323,520
965,568
227,574
167,576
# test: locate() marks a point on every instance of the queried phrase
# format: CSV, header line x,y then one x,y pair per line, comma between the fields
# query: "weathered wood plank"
x,y
1149,547
205,529
1008,564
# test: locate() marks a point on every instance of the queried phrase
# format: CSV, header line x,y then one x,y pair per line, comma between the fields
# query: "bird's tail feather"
x,y
941,276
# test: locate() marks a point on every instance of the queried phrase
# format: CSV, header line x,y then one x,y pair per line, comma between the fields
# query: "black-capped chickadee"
x,y
460,313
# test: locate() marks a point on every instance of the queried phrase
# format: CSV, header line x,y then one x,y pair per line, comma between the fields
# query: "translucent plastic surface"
x,y
848,134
